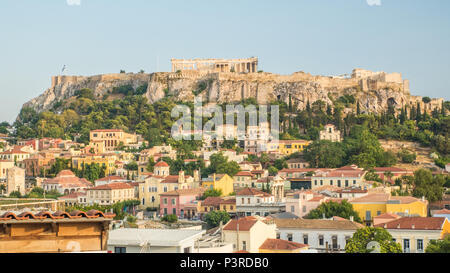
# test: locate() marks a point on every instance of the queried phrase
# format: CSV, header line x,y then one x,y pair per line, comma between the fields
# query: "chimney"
x,y
423,198
323,215
352,218
214,177
413,226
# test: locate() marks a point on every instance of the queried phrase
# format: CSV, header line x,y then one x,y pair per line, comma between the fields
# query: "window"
x,y
187,250
174,211
321,240
304,208
368,215
289,237
120,250
173,201
292,208
305,239
165,201
420,245
244,245
406,245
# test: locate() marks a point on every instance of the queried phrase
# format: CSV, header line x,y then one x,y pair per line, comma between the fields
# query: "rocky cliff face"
x,y
233,87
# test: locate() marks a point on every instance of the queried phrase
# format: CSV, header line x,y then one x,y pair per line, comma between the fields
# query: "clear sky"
x,y
326,37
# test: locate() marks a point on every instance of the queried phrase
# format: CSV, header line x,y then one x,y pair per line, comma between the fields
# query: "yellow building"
x,y
161,182
379,203
281,246
221,182
288,147
227,204
415,233
107,161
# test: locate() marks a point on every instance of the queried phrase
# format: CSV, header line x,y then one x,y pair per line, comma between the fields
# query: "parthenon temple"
x,y
216,65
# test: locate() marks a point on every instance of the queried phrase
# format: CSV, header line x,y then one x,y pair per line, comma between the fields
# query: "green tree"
x,y
325,154
362,237
428,186
211,193
214,218
439,246
171,218
330,209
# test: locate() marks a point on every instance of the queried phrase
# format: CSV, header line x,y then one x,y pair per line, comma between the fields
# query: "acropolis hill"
x,y
219,80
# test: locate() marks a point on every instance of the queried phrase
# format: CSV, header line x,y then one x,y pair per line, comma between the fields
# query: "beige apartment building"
x,y
110,139
110,194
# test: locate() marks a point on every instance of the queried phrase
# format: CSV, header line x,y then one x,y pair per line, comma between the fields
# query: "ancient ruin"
x,y
249,65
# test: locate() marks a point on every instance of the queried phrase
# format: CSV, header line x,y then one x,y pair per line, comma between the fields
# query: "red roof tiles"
x,y
253,192
56,215
245,224
277,244
161,164
421,223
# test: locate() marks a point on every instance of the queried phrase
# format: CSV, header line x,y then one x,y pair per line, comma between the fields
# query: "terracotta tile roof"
x,y
317,224
252,192
113,186
56,215
212,201
387,216
277,244
172,178
442,211
111,178
241,251
244,174
67,178
15,150
303,170
161,164
420,223
245,224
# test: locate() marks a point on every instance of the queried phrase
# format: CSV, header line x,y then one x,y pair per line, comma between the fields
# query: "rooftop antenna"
x,y
144,244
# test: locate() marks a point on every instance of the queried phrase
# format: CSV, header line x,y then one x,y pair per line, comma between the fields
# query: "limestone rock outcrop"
x,y
374,90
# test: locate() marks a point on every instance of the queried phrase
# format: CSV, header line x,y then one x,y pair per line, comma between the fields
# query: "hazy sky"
x,y
327,37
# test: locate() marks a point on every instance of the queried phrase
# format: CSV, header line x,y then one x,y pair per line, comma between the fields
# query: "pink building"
x,y
302,202
175,202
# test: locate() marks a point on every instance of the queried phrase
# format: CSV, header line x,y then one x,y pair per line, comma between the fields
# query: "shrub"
x,y
171,218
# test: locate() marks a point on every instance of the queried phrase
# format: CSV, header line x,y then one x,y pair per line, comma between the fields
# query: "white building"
x,y
330,133
251,202
317,233
153,240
